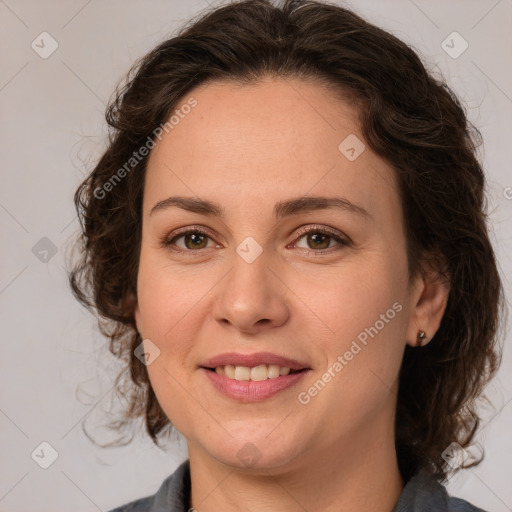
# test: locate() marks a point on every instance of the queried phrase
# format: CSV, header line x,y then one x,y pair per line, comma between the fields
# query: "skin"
x,y
248,147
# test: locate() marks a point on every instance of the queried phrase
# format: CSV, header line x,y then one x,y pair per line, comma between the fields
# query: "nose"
x,y
251,298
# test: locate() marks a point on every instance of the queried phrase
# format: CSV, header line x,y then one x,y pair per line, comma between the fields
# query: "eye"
x,y
319,239
193,240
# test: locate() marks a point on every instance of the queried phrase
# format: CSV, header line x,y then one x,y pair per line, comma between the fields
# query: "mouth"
x,y
256,367
256,373
253,377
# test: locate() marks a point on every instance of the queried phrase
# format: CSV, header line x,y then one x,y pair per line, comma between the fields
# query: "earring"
x,y
421,337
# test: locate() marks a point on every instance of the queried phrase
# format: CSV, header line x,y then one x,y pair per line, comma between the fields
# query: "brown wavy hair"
x,y
409,118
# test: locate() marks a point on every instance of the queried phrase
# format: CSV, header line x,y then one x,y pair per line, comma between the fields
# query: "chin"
x,y
258,454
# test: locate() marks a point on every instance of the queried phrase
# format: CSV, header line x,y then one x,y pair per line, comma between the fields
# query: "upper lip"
x,y
251,360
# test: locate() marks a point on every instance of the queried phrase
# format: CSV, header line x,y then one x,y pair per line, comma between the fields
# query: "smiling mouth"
x,y
256,373
253,383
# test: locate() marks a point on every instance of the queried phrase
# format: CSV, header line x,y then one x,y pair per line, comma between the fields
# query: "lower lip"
x,y
251,390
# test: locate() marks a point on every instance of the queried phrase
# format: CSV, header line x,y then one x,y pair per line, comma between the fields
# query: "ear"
x,y
429,298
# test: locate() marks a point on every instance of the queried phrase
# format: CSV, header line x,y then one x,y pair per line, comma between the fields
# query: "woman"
x,y
286,236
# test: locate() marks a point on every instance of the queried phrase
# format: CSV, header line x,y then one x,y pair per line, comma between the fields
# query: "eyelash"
x,y
166,242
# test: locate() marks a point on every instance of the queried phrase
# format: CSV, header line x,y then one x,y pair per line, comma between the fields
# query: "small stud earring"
x,y
421,337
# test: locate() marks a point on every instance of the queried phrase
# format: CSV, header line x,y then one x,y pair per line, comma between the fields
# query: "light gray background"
x,y
54,371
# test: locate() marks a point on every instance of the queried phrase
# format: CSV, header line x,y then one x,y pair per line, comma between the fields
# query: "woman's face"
x,y
337,301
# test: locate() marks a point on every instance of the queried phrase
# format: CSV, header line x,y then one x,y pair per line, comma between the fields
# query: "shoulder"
x,y
459,505
141,505
172,496
423,493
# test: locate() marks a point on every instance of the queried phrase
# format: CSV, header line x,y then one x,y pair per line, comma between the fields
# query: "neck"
x,y
359,474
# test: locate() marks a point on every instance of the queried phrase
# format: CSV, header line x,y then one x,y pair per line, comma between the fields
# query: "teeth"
x,y
242,373
257,373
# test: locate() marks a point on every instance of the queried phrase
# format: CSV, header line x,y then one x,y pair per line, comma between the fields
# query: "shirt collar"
x,y
422,493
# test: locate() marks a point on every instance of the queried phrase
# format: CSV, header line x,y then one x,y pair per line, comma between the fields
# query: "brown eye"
x,y
318,240
193,240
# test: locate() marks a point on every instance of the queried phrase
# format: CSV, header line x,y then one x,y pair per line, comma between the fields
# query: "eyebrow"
x,y
282,209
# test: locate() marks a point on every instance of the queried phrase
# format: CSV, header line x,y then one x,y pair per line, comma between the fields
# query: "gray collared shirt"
x,y
422,493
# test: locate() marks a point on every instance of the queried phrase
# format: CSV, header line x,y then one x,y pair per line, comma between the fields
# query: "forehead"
x,y
242,144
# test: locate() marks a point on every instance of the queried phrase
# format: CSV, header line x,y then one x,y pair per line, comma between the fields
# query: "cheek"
x,y
166,296
366,311
360,296
168,301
